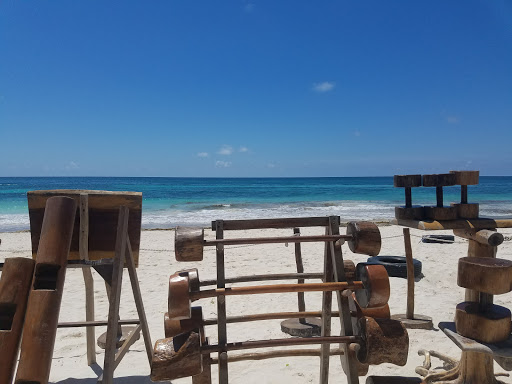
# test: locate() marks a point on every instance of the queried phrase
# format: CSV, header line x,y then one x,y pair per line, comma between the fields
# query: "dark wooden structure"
x,y
105,237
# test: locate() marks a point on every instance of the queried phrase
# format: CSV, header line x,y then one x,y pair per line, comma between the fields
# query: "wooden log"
x,y
14,289
476,249
365,239
484,274
376,282
407,181
45,296
490,326
188,244
383,341
276,354
177,357
482,236
466,177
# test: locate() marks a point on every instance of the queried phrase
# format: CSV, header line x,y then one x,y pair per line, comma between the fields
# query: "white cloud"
x,y
71,165
202,154
249,7
225,150
271,165
243,149
357,133
222,164
326,86
452,119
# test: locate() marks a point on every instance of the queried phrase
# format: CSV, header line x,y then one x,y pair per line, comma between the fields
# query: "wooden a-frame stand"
x,y
113,252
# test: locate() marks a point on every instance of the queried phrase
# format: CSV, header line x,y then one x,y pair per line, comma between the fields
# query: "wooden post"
x,y
88,280
410,274
46,294
115,296
221,306
300,269
326,314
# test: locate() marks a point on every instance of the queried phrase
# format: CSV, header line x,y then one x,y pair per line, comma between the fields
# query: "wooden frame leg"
x,y
115,296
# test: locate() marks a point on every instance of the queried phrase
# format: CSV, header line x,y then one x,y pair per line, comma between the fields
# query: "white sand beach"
x,y
437,294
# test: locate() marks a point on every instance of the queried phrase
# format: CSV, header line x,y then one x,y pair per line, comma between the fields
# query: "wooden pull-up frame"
x,y
106,237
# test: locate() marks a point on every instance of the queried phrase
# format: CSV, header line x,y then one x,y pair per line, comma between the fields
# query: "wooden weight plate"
x,y
383,341
193,278
491,326
174,327
409,213
439,180
177,357
377,312
179,306
440,213
485,274
376,285
366,238
407,181
466,177
188,244
467,211
362,368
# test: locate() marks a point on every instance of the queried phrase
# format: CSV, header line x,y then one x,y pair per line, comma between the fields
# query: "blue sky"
x,y
255,88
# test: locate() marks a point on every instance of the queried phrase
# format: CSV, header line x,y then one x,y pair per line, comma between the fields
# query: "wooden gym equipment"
x,y
106,237
364,340
481,329
14,288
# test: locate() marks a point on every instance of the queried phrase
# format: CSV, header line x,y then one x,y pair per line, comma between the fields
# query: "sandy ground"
x,y
437,294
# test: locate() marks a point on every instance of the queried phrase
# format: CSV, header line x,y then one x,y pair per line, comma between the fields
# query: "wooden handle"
x,y
278,288
483,236
274,240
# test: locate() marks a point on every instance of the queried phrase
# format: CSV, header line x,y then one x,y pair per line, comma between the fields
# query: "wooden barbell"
x,y
363,237
184,288
377,342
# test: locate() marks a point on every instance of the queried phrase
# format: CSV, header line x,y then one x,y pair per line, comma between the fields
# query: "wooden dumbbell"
x,y
439,211
378,341
376,282
45,296
466,210
408,211
362,237
14,288
181,293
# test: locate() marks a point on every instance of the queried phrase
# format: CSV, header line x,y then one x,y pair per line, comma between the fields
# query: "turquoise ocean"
x,y
168,202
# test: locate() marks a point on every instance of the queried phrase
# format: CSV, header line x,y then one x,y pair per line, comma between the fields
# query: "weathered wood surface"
x,y
103,215
273,223
480,223
275,354
485,274
45,296
407,181
393,380
188,243
489,326
483,236
14,289
174,358
440,213
410,273
384,341
365,238
467,211
466,177
414,212
376,283
174,327
439,180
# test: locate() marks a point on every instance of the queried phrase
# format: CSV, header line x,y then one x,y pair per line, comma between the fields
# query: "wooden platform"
x,y
103,216
501,352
